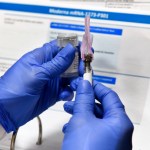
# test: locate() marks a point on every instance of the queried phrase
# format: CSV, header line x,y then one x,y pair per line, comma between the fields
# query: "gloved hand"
x,y
33,84
112,130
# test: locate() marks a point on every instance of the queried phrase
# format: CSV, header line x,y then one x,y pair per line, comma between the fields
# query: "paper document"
x,y
121,42
118,4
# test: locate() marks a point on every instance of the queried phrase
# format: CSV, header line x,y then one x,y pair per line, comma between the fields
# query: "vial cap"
x,y
63,39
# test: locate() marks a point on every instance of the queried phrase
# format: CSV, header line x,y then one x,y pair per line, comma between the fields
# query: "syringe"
x,y
86,51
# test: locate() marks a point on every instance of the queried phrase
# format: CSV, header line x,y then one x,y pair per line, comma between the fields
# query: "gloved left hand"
x,y
33,84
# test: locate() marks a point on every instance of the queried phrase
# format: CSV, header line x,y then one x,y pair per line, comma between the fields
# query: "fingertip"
x,y
66,94
68,107
69,47
84,101
53,42
46,52
95,83
65,128
84,86
98,87
81,67
67,53
107,97
52,46
74,83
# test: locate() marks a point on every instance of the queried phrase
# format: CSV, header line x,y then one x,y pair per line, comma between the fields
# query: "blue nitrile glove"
x,y
33,84
85,131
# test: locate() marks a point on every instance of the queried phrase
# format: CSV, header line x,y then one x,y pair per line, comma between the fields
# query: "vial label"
x,y
73,69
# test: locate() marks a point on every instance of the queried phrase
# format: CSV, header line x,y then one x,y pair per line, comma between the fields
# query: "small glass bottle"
x,y
62,40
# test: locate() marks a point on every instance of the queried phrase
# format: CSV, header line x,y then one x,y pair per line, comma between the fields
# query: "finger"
x,y
46,52
65,128
98,110
66,94
84,101
81,64
60,62
108,98
81,67
68,107
73,82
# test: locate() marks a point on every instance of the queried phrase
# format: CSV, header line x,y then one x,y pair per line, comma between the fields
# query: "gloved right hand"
x,y
112,130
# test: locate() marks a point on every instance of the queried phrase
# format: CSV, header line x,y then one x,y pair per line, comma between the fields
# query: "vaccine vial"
x,y
62,41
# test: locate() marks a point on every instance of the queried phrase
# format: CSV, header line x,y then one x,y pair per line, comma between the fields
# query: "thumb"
x,y
60,62
84,101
